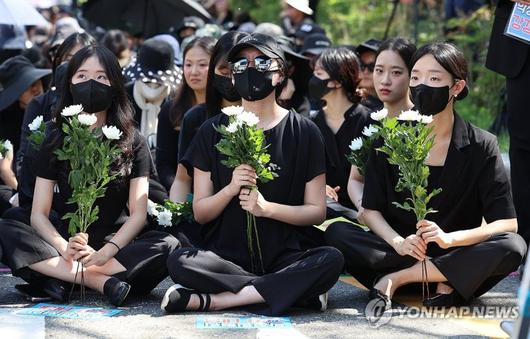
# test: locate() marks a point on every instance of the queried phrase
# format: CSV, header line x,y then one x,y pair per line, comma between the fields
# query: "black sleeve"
x,y
316,160
374,192
46,163
494,186
190,123
34,109
166,147
203,147
142,158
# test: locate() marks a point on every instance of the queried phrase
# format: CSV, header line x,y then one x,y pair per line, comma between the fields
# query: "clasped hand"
x,y
78,249
243,182
427,231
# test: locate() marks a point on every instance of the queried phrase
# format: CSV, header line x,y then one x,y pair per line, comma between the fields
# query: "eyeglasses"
x,y
370,67
262,64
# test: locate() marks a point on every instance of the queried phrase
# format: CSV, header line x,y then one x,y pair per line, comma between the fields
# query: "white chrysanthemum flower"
x,y
151,208
8,145
111,132
379,115
409,116
356,144
369,130
248,118
72,110
35,124
232,127
232,110
87,119
426,119
164,217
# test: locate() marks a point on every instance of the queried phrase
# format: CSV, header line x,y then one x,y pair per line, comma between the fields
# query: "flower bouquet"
x,y
90,156
242,142
170,213
360,148
407,142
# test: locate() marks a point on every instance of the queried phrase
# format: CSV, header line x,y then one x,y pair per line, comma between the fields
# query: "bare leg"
x,y
65,270
247,296
390,282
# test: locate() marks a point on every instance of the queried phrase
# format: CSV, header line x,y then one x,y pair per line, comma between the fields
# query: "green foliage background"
x,y
353,21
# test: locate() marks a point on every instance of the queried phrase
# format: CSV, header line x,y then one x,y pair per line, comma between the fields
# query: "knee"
x,y
332,259
512,246
176,262
172,244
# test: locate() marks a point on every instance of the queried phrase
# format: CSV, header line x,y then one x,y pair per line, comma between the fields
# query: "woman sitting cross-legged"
x,y
463,255
222,276
117,259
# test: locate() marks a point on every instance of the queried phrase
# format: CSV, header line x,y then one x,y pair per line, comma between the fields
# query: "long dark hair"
x,y
120,111
449,57
186,98
405,48
220,51
342,65
81,39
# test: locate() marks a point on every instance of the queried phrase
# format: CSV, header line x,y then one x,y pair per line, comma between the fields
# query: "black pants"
x,y
471,270
294,277
6,193
518,121
144,259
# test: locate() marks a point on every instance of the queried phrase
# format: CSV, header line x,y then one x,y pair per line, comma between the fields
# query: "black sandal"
x,y
177,297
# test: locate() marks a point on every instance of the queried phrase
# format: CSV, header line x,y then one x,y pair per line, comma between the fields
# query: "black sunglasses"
x,y
261,63
370,67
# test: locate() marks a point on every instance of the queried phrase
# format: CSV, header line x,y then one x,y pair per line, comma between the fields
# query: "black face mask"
x,y
429,100
93,95
225,87
59,76
253,85
318,87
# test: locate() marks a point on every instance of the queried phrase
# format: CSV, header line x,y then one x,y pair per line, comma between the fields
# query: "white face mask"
x,y
152,91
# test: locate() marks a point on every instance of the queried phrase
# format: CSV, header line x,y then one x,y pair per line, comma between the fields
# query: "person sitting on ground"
x,y
367,52
116,259
463,256
224,275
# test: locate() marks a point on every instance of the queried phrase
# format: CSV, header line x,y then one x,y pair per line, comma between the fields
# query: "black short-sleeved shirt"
x,y
192,121
337,147
116,196
297,147
473,181
167,142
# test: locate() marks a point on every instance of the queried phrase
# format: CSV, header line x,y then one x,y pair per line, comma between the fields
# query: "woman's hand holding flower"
x,y
243,175
253,202
414,246
98,258
429,231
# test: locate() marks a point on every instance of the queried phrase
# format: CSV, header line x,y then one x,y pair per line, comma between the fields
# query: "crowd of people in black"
x,y
166,95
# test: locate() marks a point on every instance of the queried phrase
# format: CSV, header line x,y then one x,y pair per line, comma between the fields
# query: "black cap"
x,y
308,28
17,74
371,45
315,44
264,43
289,47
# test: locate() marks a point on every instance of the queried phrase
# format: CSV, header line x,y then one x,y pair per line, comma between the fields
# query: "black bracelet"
x,y
112,242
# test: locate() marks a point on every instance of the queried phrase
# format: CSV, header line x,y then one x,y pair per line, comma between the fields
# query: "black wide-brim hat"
x,y
17,74
155,63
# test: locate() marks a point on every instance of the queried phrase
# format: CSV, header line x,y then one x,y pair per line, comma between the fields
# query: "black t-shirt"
x,y
192,121
116,197
337,147
373,103
167,142
473,181
297,147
